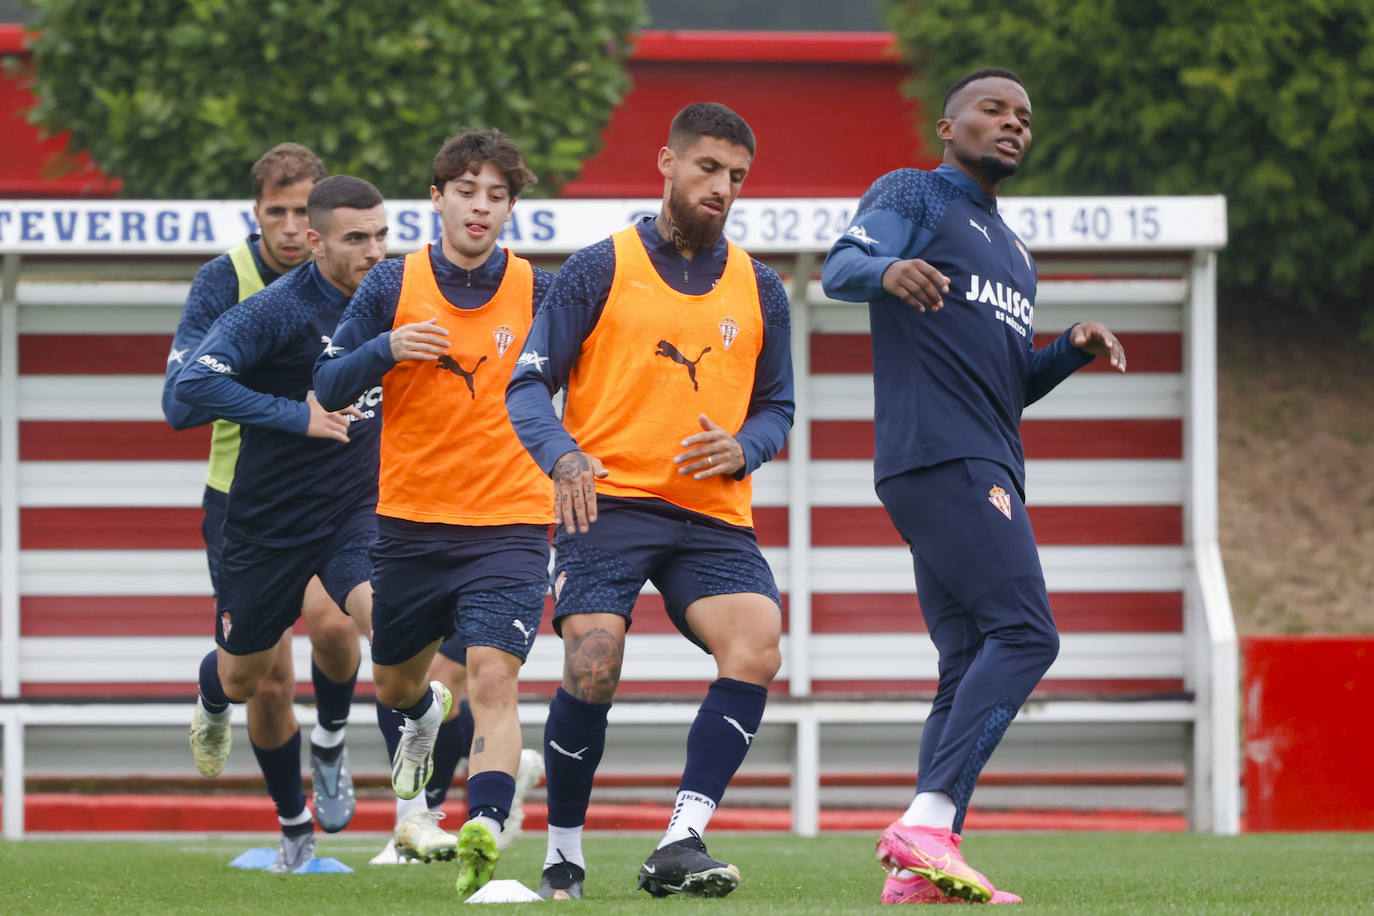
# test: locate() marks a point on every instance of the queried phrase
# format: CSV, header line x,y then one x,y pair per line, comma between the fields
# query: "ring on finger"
x,y
710,461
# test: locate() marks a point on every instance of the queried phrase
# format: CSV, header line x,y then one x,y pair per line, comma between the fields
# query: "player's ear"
x,y
666,158
435,195
314,240
944,129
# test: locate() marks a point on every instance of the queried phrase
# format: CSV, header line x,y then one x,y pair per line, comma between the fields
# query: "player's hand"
x,y
1093,337
329,424
916,283
421,340
710,453
574,490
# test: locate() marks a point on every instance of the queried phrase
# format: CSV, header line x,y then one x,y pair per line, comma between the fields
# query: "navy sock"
x,y
333,699
574,739
211,690
450,747
390,722
721,735
281,767
490,795
421,706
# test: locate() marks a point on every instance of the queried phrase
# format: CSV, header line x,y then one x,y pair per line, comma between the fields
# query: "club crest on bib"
x,y
504,338
729,329
999,498
225,625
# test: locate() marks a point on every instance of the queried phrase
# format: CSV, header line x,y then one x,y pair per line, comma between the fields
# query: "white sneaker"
x,y
210,742
419,837
527,776
414,762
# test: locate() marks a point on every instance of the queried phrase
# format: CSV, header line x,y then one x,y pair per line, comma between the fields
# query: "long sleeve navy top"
x,y
213,291
254,368
951,383
572,308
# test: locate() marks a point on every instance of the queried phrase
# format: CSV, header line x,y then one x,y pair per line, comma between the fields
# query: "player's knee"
x,y
753,664
492,688
395,689
240,686
276,687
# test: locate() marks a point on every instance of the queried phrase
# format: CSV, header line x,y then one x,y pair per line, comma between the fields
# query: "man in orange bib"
x,y
462,511
673,345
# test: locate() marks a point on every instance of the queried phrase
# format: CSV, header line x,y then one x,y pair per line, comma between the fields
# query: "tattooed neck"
x,y
669,230
570,467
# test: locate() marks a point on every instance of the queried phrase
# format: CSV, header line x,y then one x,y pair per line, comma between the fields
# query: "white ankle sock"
x,y
323,737
565,845
218,718
303,818
930,809
407,806
691,811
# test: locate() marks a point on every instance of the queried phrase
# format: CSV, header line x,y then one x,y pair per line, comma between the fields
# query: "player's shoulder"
x,y
590,266
777,311
277,310
217,280
901,190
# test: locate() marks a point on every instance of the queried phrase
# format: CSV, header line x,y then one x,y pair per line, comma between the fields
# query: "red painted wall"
x,y
1308,743
827,110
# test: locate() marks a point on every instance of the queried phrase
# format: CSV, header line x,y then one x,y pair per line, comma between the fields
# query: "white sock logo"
x,y
577,756
748,738
520,625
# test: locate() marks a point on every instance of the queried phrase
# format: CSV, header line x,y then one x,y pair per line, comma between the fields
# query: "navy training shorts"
x,y
262,587
485,586
685,555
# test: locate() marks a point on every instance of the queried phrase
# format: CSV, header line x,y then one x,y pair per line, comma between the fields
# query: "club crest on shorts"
x,y
504,338
999,498
558,584
225,625
729,330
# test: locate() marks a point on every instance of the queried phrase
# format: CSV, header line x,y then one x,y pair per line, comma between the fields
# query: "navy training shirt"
x,y
214,291
361,354
254,368
952,383
572,308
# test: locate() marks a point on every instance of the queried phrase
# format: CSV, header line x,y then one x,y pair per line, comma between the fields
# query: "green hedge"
x,y
180,98
1271,104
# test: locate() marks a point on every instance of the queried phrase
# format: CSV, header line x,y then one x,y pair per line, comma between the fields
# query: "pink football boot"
x,y
932,853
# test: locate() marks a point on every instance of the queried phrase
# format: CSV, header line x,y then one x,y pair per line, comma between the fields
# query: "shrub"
x,y
1271,104
180,98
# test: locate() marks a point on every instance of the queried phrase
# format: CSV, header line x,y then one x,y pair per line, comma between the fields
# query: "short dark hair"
x,y
285,164
339,191
467,151
709,119
967,78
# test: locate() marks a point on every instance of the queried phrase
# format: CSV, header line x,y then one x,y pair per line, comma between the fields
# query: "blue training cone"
x,y
256,859
324,866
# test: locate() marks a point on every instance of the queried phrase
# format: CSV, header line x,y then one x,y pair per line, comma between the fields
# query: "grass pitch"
x,y
1055,872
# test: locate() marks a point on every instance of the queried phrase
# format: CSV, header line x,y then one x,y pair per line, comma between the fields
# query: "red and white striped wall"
x,y
104,591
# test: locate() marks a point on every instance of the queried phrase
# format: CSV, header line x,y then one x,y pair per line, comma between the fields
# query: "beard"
x,y
997,168
692,229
